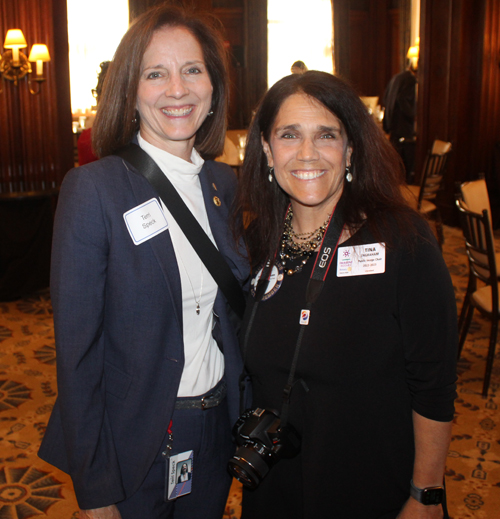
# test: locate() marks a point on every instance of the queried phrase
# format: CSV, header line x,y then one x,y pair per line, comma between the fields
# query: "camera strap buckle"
x,y
286,392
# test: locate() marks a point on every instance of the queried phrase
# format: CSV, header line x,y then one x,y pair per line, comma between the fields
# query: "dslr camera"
x,y
262,442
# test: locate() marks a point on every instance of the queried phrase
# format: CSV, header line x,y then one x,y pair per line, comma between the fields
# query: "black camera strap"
x,y
247,323
325,255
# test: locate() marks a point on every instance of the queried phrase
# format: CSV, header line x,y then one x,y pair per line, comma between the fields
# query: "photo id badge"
x,y
179,475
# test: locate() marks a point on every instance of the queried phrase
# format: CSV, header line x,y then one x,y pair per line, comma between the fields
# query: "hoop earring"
x,y
271,172
348,174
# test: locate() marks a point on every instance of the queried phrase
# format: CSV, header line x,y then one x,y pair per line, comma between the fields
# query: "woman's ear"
x,y
267,151
348,156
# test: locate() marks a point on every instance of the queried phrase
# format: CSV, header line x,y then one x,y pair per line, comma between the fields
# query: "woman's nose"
x,y
176,87
307,150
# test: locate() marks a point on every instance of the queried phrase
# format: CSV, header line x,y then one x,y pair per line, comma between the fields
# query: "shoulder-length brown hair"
x,y
374,194
117,119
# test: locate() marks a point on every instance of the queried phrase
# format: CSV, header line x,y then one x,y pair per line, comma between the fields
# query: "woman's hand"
x,y
415,510
432,440
107,512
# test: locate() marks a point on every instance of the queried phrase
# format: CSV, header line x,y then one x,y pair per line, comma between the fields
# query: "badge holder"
x,y
178,470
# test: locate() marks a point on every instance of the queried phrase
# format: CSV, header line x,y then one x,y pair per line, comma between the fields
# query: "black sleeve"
x,y
427,313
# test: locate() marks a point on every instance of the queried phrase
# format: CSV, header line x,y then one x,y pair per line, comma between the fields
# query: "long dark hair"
x,y
117,120
373,196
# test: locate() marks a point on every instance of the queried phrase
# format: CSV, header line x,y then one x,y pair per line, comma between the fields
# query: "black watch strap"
x,y
428,495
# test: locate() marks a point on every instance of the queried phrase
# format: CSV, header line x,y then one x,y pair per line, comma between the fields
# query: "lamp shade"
x,y
39,52
413,52
15,39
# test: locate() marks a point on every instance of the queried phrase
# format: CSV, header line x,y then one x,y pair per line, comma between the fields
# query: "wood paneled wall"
x,y
36,146
458,78
368,42
489,110
459,88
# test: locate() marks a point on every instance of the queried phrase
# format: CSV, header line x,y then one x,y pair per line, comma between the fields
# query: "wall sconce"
x,y
14,65
413,53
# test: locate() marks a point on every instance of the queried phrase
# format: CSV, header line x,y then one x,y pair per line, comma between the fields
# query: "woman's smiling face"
x,y
175,91
309,151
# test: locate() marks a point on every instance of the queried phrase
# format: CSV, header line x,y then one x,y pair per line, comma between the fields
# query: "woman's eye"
x,y
194,70
328,136
153,75
288,136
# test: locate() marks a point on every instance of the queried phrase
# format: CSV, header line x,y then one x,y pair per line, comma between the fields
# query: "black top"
x,y
376,347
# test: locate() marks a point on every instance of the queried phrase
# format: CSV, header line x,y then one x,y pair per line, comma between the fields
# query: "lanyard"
x,y
315,284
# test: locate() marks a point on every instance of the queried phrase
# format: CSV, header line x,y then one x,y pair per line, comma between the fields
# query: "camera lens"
x,y
262,443
241,474
248,466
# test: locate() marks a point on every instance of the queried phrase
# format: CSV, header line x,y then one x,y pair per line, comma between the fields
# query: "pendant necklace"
x,y
197,301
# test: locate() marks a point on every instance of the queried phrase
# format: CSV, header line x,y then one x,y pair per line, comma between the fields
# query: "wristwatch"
x,y
428,495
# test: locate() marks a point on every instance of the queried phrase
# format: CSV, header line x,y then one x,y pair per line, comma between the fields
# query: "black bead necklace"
x,y
298,246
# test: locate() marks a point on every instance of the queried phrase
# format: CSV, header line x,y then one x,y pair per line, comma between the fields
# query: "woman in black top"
x,y
373,391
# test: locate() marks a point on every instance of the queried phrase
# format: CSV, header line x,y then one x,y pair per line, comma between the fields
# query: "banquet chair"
x,y
480,250
230,155
475,195
422,197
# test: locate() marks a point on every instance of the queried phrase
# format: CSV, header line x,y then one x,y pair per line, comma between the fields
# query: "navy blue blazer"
x,y
118,328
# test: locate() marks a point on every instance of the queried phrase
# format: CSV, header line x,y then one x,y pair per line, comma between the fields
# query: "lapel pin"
x,y
214,186
217,201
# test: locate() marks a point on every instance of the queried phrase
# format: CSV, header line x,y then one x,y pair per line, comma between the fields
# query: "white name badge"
x,y
361,260
145,221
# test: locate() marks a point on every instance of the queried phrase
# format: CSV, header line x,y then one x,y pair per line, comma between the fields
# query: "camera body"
x,y
262,442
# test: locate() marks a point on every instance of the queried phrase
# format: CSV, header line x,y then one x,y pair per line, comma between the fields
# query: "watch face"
x,y
432,496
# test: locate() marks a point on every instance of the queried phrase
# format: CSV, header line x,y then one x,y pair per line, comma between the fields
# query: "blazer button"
x,y
217,201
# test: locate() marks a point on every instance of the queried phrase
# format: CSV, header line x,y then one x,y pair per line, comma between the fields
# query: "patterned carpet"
x,y
29,487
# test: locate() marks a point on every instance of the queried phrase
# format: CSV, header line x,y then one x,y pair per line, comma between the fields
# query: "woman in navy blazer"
x,y
147,355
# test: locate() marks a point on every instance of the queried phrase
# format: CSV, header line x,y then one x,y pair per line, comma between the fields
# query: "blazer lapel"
x,y
161,245
218,208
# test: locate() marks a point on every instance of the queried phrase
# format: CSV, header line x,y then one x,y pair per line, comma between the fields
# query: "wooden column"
x,y
459,88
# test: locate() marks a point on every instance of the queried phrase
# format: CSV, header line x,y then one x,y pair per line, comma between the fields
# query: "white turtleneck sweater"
x,y
204,362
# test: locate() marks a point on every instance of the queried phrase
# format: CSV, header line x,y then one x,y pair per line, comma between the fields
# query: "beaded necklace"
x,y
298,245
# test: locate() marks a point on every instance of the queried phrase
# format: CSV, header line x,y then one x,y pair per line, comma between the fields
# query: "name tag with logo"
x,y
145,221
361,260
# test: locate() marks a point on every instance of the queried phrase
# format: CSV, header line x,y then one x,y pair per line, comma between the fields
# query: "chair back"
x,y
440,147
479,245
370,102
475,195
230,154
434,168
